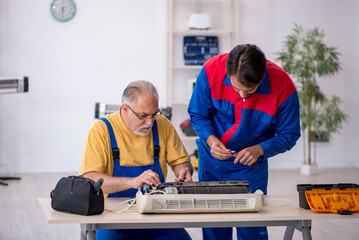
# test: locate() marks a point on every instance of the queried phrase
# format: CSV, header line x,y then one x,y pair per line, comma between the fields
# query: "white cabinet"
x,y
224,24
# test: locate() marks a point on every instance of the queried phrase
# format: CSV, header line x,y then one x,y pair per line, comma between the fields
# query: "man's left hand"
x,y
184,175
249,155
183,172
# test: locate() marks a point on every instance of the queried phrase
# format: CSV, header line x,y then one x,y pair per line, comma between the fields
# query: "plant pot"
x,y
309,169
315,138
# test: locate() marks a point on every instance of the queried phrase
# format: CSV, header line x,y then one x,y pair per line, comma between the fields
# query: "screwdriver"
x,y
97,185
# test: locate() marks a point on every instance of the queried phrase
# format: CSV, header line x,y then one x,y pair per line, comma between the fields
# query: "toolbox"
x,y
342,198
198,49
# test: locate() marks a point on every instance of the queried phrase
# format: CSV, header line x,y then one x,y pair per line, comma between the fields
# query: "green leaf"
x,y
305,57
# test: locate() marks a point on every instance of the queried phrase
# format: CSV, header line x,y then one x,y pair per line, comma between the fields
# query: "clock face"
x,y
63,10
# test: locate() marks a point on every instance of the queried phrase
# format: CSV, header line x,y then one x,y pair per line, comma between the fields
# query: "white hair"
x,y
134,89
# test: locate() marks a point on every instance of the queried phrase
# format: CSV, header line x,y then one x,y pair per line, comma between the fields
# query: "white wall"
x,y
266,23
71,66
356,94
110,43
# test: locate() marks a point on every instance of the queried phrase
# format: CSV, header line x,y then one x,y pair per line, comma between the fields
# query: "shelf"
x,y
184,67
180,77
202,32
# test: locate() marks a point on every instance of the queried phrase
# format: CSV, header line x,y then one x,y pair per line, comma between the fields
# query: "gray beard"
x,y
140,133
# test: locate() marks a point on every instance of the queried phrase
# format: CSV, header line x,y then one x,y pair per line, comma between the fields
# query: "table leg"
x,y
83,235
88,232
305,226
289,231
306,233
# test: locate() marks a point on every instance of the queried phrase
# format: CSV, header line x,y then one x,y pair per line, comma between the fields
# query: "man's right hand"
x,y
218,149
147,177
113,184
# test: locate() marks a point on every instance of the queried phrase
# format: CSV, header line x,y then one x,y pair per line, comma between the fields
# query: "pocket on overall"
x,y
206,163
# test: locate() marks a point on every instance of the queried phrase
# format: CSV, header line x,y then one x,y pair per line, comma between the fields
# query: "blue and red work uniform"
x,y
135,171
269,117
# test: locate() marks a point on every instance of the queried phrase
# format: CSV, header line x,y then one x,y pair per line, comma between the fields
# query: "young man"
x,y
244,109
131,148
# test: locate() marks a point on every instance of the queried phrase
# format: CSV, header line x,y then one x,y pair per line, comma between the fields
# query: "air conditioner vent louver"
x,y
200,204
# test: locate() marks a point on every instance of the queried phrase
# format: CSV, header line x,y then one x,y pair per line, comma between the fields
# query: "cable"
x,y
131,201
157,191
164,185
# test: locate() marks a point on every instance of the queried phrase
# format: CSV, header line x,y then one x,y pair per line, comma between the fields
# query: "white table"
x,y
283,210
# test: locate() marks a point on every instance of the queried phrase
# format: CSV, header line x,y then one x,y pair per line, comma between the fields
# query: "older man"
x,y
131,148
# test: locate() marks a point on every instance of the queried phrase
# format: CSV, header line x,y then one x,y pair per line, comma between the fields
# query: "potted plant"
x,y
306,58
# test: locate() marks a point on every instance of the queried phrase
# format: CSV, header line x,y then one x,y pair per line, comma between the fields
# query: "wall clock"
x,y
63,10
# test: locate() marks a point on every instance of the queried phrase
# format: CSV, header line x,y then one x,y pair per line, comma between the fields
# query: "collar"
x,y
264,86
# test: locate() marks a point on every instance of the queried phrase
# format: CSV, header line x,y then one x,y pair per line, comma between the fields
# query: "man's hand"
x,y
218,150
113,184
249,155
147,177
183,172
185,175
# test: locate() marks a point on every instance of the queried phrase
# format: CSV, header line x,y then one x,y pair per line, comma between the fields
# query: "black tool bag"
x,y
77,195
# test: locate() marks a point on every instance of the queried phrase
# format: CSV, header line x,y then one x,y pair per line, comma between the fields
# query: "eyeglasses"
x,y
145,116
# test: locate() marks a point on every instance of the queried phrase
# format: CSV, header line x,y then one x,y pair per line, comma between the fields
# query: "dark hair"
x,y
248,63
